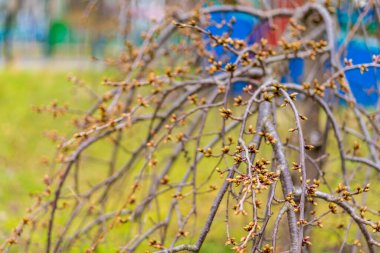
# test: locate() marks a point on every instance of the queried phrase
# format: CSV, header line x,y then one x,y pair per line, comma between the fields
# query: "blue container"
x,y
244,27
251,29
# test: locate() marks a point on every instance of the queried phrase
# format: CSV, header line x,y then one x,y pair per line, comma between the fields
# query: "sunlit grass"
x,y
25,153
23,145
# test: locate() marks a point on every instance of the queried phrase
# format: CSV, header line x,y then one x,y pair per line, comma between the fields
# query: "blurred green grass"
x,y
24,147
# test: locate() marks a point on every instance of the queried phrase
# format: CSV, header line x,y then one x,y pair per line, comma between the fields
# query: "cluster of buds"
x,y
239,44
331,85
267,249
356,148
346,195
245,59
122,220
226,42
103,113
318,223
376,227
142,101
225,149
207,153
215,66
193,99
296,167
156,244
316,46
153,163
342,82
343,191
180,137
250,226
131,199
230,67
276,89
268,96
290,47
308,147
182,233
301,222
239,248
238,101
333,208
362,210
107,97
347,62
265,177
316,88
302,117
290,199
262,50
261,178
240,179
376,58
295,28
252,149
363,68
269,138
165,180
239,149
81,135
293,97
248,88
223,41
177,72
251,130
231,241
225,113
53,108
360,189
178,196
311,190
306,241
238,159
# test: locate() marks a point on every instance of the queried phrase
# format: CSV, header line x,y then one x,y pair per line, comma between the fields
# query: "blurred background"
x,y
36,32
46,42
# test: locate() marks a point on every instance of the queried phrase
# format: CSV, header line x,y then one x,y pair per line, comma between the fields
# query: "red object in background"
x,y
280,23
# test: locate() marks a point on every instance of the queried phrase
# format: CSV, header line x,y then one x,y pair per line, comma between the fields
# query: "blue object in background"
x,y
295,73
245,27
365,87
